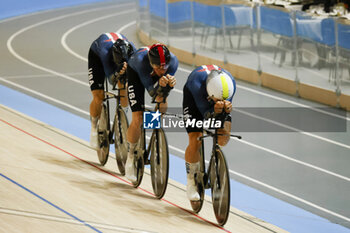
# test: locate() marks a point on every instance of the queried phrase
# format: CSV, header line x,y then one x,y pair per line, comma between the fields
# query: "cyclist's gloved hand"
x,y
227,106
171,80
218,106
163,81
119,74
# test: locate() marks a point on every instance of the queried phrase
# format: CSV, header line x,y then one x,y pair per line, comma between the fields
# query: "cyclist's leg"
x,y
224,139
124,93
136,93
96,105
194,145
134,130
192,155
96,79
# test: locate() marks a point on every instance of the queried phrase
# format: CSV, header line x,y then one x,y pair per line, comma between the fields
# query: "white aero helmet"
x,y
220,85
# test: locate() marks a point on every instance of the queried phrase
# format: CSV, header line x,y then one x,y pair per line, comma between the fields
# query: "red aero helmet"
x,y
159,55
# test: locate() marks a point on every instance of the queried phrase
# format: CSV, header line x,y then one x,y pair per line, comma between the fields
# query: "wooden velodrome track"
x,y
53,184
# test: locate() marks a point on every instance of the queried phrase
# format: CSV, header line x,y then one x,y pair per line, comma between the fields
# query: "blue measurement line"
x,y
50,203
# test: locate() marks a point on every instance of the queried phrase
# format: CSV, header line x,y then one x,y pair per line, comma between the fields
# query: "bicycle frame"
x,y
215,146
110,95
155,154
148,150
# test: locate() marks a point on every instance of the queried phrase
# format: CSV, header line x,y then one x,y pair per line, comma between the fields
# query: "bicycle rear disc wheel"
x,y
121,126
159,163
197,205
220,187
103,139
139,160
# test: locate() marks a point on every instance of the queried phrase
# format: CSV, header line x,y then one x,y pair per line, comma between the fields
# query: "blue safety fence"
x,y
240,15
207,15
143,3
179,12
157,8
321,30
274,40
344,35
276,21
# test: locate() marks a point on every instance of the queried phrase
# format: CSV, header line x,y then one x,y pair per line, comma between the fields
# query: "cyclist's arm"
x,y
159,94
118,74
224,139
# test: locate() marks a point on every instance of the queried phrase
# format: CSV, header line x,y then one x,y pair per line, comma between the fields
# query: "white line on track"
x,y
42,75
64,37
43,95
68,220
9,44
10,40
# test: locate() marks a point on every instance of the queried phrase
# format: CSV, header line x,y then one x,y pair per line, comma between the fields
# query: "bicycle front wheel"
x,y
121,125
139,160
159,163
103,139
220,186
200,183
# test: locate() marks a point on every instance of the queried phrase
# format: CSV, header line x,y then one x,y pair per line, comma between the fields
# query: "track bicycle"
x,y
156,155
118,129
216,178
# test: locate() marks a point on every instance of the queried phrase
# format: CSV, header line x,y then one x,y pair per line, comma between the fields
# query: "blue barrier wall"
x,y
321,30
179,12
275,21
344,36
157,8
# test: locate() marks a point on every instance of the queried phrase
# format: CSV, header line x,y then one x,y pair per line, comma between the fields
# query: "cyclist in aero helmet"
x,y
151,68
159,56
207,94
108,57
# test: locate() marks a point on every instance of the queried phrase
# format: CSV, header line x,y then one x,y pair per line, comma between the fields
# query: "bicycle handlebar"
x,y
213,134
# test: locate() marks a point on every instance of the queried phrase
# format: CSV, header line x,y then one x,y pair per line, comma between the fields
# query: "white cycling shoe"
x,y
192,193
94,138
130,169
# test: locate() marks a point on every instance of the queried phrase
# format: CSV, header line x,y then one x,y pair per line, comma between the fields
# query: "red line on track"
x,y
109,173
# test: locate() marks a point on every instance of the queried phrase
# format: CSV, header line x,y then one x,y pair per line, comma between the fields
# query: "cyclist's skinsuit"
x,y
100,59
140,75
195,96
